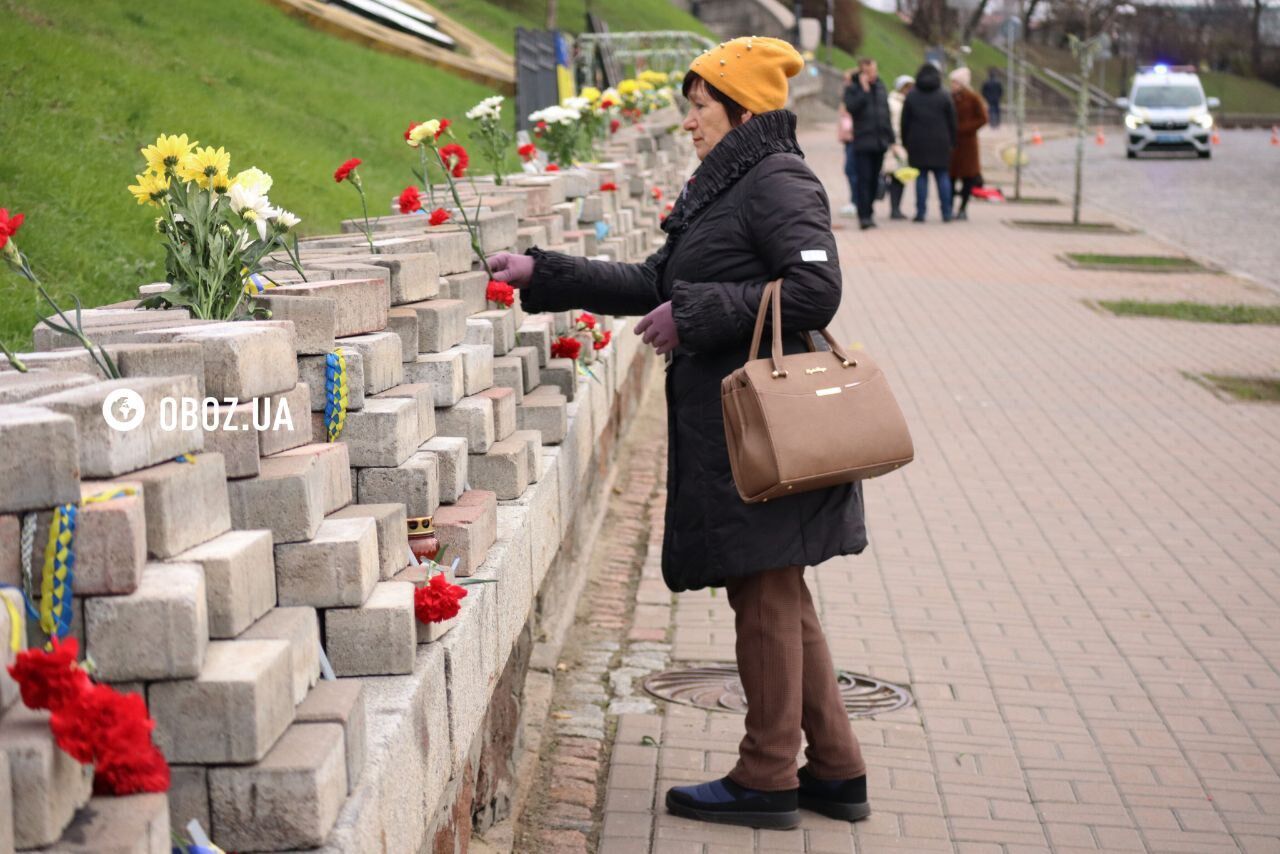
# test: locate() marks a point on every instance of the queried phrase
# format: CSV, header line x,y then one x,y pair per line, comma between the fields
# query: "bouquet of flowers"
x,y
488,116
453,160
558,129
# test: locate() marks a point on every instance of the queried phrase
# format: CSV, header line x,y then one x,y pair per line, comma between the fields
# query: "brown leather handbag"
x,y
809,420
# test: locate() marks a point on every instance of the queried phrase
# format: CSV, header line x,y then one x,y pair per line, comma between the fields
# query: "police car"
x,y
1167,111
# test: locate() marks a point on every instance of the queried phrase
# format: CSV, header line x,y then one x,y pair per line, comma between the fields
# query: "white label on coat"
x,y
813,254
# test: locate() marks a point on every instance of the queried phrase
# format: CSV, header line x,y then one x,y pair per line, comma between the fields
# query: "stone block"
x,y
542,505
6,803
111,539
232,712
552,225
287,497
187,503
504,411
169,610
532,440
300,629
8,688
529,236
497,232
503,321
442,323
133,824
314,319
562,374
469,686
414,276
415,483
376,639
393,538
509,563
335,470
452,247
404,323
478,332
537,335
103,450
423,397
337,567
160,360
383,433
477,367
10,553
241,360
450,453
470,418
362,302
468,528
503,469
418,575
508,372
239,579
76,360
48,786
16,387
284,420
288,800
340,701
311,371
444,372
189,796
469,288
229,431
531,366
380,353
546,413
561,322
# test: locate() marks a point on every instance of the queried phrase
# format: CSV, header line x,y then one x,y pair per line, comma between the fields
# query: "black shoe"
x,y
867,223
918,218
725,802
842,799
897,215
962,214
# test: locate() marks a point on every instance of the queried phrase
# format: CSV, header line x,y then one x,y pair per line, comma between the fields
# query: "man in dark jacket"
x,y
992,92
929,135
867,101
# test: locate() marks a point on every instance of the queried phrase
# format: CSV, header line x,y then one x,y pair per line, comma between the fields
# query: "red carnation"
x,y
9,225
455,159
437,600
410,200
614,125
604,340
656,192
671,206
566,348
345,171
444,126
540,128
551,167
49,680
607,103
438,216
527,152
587,319
412,125
608,186
133,772
500,292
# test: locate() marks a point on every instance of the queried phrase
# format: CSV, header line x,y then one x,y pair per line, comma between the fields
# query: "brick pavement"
x,y
1077,577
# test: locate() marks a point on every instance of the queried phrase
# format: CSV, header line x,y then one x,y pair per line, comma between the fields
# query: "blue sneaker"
x,y
842,799
725,802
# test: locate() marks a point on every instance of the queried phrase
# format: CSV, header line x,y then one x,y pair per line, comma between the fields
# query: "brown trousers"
x,y
790,685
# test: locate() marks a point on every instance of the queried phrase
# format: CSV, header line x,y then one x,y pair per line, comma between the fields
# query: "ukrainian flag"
x,y
564,68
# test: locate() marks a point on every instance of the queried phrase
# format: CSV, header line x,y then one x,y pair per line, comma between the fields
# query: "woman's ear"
x,y
746,114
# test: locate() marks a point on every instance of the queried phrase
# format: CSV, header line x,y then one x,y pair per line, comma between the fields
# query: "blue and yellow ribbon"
x,y
15,617
335,394
59,570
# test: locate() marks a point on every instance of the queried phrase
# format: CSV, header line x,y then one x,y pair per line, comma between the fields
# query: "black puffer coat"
x,y
872,123
929,122
743,219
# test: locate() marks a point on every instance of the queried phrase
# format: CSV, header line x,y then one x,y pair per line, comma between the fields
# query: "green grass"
x,y
895,48
1196,312
1064,225
1154,262
84,90
1256,389
496,21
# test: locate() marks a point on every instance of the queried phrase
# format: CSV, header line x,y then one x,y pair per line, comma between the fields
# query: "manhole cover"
x,y
718,688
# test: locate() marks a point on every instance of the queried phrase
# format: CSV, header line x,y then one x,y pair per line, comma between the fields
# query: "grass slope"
x,y
87,85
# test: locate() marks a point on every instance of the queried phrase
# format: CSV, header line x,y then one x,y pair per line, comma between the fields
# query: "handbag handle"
x,y
772,296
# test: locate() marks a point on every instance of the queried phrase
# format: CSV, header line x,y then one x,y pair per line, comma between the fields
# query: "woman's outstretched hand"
x,y
515,270
658,329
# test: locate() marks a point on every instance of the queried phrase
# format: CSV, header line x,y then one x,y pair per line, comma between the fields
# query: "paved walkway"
x,y
1077,577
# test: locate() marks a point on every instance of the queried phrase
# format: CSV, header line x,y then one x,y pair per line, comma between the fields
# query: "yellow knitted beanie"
x,y
751,70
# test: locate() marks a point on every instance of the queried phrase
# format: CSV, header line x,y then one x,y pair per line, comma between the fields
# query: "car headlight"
x,y
1133,122
1204,120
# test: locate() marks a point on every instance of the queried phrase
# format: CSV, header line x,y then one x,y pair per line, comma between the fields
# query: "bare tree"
x,y
971,23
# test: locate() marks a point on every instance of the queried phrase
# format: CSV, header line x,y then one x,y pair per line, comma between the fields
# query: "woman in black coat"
x,y
929,134
752,212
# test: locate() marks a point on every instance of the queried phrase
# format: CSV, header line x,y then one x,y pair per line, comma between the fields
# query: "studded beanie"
x,y
751,70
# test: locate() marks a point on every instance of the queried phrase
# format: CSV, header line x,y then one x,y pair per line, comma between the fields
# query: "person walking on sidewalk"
x,y
992,93
897,98
868,102
971,115
752,212
929,134
844,133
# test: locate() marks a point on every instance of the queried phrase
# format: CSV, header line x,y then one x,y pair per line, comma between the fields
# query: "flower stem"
x,y
368,229
473,230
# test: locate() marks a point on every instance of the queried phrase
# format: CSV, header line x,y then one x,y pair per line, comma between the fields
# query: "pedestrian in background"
x,y
929,134
901,86
844,133
992,92
966,162
752,212
868,102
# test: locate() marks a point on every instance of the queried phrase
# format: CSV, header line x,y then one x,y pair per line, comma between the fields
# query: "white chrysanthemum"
x,y
489,108
287,219
555,116
254,179
581,105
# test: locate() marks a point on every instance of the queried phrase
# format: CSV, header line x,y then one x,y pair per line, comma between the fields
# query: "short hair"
x,y
735,111
865,61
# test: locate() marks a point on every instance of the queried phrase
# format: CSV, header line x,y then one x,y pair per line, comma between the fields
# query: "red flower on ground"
x,y
410,200
608,187
527,152
455,159
343,172
50,680
437,600
656,192
551,167
9,225
438,216
587,319
500,292
408,131
566,348
604,340
614,125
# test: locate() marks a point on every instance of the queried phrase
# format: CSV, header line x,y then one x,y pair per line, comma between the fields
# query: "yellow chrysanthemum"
x,y
150,189
167,152
655,78
591,93
254,179
203,164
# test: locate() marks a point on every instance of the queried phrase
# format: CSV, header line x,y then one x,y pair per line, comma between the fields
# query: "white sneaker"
x,y
848,210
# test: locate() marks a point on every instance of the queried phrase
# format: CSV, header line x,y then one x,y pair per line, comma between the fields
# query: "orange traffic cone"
x,y
1216,138
1037,139
1101,138
1275,135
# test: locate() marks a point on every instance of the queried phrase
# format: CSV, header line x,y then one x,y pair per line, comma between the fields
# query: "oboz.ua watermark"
x,y
124,409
